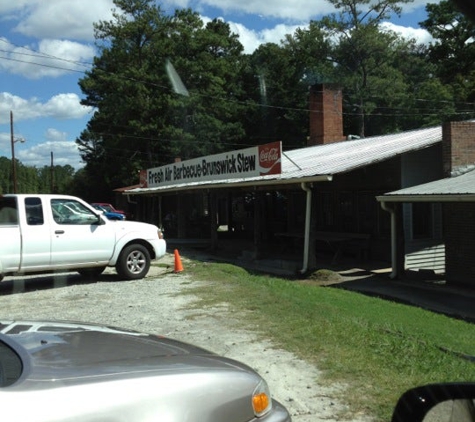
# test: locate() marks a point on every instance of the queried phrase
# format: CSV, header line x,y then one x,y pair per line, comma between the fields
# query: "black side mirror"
x,y
445,402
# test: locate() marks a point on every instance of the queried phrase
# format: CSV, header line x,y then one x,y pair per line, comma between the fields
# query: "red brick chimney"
x,y
458,146
326,114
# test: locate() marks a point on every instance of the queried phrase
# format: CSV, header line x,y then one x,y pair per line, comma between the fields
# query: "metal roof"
x,y
321,162
451,189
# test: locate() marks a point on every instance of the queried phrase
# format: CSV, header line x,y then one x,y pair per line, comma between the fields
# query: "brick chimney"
x,y
458,146
326,114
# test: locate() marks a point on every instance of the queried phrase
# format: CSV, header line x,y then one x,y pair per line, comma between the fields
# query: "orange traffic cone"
x,y
178,266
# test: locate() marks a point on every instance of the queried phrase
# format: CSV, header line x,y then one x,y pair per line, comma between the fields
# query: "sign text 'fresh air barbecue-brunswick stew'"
x,y
256,161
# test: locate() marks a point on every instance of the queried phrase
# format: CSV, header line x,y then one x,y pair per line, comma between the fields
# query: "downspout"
x,y
308,214
386,207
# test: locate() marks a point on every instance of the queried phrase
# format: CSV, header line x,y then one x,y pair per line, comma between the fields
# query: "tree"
x,y
453,52
210,59
278,95
33,180
129,90
365,57
140,121
6,185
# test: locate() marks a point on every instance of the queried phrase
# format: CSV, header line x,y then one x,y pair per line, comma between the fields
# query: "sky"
x,y
46,45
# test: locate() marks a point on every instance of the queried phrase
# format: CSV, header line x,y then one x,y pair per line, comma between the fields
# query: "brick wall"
x,y
458,146
459,227
326,114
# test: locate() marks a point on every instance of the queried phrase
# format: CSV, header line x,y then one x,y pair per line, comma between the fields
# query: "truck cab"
x,y
59,232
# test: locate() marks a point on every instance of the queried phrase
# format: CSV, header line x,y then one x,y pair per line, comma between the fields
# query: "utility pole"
x,y
52,174
13,154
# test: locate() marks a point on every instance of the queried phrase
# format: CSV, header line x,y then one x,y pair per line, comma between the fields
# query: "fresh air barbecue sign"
x,y
260,160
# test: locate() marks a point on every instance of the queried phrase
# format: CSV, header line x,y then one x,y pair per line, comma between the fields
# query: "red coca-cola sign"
x,y
143,179
270,158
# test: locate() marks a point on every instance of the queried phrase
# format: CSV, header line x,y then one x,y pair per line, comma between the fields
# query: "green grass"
x,y
376,347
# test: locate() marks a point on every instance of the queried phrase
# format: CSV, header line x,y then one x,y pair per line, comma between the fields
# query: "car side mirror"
x,y
444,402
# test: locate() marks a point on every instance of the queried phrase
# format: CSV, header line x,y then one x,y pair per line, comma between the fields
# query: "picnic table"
x,y
336,241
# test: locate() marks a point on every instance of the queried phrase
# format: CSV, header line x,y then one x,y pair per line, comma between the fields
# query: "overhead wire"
x,y
436,111
396,112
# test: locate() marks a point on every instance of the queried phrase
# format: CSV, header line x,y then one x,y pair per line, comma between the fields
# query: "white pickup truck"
x,y
45,233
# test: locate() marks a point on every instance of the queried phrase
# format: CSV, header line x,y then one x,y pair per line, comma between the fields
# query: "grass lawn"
x,y
377,347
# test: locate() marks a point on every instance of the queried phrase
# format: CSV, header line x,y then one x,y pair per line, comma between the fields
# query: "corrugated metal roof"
x,y
445,189
340,157
321,162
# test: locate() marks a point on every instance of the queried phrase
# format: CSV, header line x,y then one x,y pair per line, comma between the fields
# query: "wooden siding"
x,y
423,256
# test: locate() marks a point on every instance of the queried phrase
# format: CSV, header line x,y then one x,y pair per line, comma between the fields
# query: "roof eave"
x,y
224,184
427,198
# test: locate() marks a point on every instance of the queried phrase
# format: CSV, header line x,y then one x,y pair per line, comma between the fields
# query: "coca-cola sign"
x,y
270,158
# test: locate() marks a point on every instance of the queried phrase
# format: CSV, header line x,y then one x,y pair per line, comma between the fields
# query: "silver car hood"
x,y
72,353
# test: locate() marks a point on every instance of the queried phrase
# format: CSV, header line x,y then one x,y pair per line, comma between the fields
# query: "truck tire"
x,y
134,262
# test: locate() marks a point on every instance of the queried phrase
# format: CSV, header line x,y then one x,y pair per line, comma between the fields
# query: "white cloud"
x,y
39,155
71,19
50,58
61,107
251,39
419,34
295,10
289,11
416,4
65,106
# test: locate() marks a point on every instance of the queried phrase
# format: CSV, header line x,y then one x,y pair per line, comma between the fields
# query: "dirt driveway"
x,y
155,305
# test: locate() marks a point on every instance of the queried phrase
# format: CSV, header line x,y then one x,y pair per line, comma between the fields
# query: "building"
x,y
323,202
454,199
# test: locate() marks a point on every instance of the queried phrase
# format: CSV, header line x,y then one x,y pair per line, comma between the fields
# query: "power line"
x,y
436,111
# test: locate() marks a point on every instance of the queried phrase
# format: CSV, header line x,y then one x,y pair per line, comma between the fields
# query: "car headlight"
x,y
261,399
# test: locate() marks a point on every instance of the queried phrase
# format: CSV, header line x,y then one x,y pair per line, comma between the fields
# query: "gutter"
x,y
386,207
454,197
228,183
308,215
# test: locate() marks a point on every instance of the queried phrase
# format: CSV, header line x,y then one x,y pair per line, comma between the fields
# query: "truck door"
x,y
77,235
36,235
10,243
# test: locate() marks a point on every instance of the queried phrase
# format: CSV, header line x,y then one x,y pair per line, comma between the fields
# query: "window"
x,y
34,211
10,365
66,211
8,211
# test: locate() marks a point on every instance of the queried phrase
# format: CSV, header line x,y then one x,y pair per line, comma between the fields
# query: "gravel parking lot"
x,y
155,305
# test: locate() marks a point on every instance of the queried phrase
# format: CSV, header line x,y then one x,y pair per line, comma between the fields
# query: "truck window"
x,y
34,211
8,211
67,211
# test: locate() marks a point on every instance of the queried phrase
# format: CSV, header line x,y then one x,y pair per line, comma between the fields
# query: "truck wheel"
x,y
134,262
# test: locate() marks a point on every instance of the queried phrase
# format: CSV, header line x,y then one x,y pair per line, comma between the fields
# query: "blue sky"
x,y
41,42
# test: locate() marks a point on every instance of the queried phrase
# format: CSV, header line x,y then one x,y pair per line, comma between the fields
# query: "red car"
x,y
108,207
